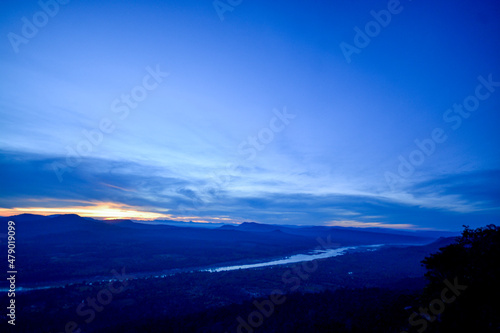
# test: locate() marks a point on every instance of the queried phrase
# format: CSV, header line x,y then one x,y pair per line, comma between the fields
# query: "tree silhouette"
x,y
472,263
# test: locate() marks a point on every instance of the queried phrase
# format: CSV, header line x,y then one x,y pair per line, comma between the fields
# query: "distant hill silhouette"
x,y
84,246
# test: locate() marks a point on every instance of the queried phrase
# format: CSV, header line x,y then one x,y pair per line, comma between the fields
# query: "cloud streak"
x,y
213,141
112,189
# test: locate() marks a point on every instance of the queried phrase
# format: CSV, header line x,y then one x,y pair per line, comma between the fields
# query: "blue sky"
x,y
165,110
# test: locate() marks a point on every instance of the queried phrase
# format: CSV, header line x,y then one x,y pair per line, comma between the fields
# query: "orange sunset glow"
x,y
105,210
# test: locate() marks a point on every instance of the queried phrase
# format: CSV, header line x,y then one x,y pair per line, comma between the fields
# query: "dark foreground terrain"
x,y
385,290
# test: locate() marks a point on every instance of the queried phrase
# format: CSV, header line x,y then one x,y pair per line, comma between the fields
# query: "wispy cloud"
x,y
358,224
120,189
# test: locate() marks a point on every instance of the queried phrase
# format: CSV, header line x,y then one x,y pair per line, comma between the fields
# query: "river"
x,y
314,255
